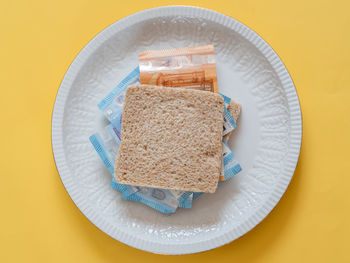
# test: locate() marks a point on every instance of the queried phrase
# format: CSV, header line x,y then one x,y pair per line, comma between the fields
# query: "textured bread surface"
x,y
234,109
171,138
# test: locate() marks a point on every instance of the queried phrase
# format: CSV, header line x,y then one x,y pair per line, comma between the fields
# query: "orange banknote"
x,y
187,67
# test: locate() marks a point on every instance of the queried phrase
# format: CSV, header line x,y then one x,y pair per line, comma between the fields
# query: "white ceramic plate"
x,y
266,142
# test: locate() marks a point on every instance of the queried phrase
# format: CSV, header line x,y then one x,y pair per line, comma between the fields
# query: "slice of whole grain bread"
x,y
171,138
234,109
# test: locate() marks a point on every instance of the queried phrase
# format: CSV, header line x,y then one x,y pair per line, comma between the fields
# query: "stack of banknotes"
x,y
151,71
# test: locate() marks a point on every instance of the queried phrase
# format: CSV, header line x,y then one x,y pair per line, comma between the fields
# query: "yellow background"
x,y
40,223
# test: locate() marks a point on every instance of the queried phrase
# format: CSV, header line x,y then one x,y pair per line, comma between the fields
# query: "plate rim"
x,y
276,193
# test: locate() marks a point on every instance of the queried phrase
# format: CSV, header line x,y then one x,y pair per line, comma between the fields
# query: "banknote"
x,y
187,67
